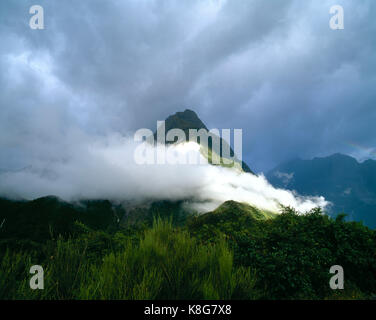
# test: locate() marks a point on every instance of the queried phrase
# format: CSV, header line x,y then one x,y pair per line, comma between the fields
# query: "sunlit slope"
x,y
187,120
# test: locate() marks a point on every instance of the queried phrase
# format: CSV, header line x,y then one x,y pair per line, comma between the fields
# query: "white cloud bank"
x,y
105,168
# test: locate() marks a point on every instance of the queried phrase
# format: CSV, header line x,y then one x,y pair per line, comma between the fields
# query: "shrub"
x,y
169,264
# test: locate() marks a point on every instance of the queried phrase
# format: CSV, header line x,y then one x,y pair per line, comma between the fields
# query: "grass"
x,y
167,263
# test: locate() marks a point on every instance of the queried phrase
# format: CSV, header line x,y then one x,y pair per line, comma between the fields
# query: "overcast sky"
x,y
271,67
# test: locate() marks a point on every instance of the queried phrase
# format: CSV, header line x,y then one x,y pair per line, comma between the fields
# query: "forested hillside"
x,y
90,251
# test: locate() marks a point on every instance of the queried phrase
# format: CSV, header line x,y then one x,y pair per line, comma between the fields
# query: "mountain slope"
x,y
341,179
239,208
188,119
47,217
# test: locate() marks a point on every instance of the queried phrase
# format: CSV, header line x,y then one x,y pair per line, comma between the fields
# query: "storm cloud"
x,y
272,68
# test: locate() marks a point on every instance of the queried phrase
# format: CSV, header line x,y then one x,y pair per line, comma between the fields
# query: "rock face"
x,y
188,119
341,179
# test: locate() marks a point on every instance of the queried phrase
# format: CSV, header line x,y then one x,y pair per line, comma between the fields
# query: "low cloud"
x,y
104,168
284,176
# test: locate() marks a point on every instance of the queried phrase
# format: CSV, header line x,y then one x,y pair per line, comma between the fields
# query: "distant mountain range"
x,y
341,179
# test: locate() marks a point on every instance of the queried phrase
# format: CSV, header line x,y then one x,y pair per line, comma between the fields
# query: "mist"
x,y
104,167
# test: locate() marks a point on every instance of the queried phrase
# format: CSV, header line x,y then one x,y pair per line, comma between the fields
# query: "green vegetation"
x,y
292,253
234,252
166,263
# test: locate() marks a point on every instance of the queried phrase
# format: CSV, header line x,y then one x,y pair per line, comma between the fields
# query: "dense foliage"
x,y
234,252
293,253
166,263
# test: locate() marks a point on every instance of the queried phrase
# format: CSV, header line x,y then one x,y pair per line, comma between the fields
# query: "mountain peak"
x,y
188,119
187,113
185,120
341,156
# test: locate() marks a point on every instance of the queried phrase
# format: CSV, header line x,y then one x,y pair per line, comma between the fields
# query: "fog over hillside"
x,y
104,168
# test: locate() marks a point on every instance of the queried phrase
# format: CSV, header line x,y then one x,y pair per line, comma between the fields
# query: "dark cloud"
x,y
273,68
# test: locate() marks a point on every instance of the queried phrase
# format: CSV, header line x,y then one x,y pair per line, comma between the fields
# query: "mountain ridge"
x,y
349,184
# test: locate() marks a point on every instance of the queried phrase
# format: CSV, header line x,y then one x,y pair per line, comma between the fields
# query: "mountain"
x,y
46,217
42,218
188,119
49,216
341,179
232,211
185,120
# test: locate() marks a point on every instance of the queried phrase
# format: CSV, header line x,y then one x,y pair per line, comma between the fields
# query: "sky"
x,y
274,69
